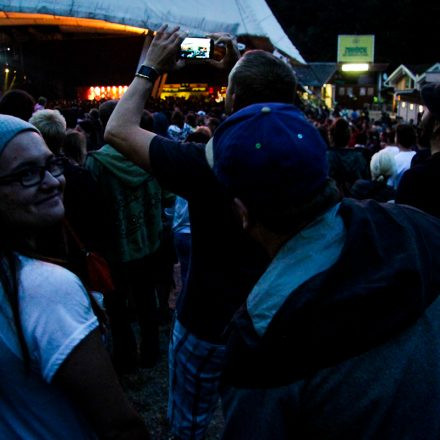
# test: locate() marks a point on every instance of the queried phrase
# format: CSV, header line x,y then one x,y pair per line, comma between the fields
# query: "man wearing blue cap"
x,y
225,263
340,337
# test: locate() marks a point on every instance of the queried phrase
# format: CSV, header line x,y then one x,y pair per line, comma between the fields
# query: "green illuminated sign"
x,y
355,48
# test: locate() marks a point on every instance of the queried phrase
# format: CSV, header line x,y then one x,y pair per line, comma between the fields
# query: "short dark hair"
x,y
202,134
177,118
105,110
406,135
17,103
191,119
147,121
389,136
289,219
261,77
340,133
213,124
425,130
74,146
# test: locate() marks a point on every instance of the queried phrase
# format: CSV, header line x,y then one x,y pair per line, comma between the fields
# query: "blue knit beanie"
x,y
10,126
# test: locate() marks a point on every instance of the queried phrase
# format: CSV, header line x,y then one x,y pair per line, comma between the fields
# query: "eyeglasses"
x,y
33,176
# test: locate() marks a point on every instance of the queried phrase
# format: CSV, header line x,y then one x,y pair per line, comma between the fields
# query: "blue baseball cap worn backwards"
x,y
269,154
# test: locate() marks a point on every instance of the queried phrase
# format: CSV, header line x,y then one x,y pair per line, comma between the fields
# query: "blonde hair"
x,y
382,165
52,126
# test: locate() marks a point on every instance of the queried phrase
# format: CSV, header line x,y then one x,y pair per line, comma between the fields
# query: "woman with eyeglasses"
x,y
56,378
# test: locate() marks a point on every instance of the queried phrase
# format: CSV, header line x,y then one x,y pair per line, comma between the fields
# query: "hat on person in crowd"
x,y
269,154
431,98
10,126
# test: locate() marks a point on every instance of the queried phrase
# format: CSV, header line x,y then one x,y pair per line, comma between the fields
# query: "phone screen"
x,y
198,48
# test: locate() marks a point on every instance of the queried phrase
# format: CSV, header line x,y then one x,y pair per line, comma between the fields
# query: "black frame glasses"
x,y
34,175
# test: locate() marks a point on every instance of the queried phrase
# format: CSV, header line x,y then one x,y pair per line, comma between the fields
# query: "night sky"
x,y
407,31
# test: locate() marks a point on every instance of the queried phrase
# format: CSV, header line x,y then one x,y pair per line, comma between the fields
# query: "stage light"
x,y
362,67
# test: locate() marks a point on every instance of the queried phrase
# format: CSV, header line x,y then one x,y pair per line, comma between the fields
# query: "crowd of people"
x,y
309,301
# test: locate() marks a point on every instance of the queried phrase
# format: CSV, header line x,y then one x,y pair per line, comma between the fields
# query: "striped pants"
x,y
195,368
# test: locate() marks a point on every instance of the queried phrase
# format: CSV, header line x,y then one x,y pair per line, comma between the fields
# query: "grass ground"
x,y
148,391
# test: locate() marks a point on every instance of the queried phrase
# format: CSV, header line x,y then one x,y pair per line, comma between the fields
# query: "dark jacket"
x,y
354,352
372,189
346,165
419,186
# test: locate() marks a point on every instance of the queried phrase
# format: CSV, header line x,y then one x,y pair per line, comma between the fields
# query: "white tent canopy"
x,y
198,17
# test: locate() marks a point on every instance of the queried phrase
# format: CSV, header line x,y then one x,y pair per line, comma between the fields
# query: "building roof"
x,y
315,74
411,70
238,17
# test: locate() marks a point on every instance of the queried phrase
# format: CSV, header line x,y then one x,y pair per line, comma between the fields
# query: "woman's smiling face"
x,y
29,207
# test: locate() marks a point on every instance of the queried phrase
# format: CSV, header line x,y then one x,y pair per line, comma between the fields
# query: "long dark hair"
x,y
52,247
9,281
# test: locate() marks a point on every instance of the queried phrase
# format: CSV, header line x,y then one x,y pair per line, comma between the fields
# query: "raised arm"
x,y
123,131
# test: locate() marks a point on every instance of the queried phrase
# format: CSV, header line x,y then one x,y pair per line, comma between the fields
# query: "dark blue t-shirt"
x,y
225,262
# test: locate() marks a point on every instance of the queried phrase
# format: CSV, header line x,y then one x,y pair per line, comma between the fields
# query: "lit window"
x,y
362,91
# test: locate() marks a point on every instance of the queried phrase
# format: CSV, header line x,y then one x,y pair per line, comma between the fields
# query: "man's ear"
x,y
233,100
242,212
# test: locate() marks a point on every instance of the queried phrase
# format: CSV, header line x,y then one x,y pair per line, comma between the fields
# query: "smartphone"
x,y
197,48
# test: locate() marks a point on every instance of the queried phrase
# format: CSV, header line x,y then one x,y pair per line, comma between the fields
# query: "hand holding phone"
x,y
197,48
227,52
161,52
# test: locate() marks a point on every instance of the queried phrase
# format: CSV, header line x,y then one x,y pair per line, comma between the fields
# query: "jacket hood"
x,y
387,275
129,173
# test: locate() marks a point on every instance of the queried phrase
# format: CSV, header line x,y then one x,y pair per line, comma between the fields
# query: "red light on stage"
x,y
211,90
